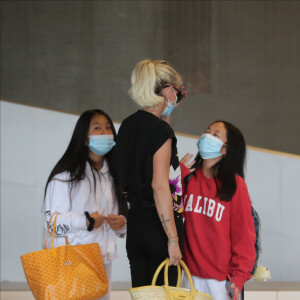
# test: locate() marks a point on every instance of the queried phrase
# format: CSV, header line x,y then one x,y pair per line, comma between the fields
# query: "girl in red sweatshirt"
x,y
219,228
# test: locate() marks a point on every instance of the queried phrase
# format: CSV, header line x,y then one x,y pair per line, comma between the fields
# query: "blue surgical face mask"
x,y
168,110
101,144
209,146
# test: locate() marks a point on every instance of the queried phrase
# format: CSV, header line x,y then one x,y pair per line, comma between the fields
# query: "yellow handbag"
x,y
167,292
66,272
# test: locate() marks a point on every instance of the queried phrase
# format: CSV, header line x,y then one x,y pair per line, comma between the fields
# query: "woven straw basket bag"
x,y
167,292
66,272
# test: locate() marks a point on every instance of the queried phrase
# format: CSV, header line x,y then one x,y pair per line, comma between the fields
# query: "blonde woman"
x,y
147,158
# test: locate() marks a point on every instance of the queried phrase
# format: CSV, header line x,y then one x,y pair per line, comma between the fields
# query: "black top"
x,y
139,137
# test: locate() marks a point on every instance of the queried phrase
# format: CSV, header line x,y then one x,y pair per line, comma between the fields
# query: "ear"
x,y
223,150
166,91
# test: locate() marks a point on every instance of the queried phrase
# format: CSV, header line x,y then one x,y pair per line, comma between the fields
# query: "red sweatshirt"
x,y
219,235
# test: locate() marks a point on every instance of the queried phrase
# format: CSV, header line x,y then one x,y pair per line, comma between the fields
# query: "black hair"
x,y
77,155
229,166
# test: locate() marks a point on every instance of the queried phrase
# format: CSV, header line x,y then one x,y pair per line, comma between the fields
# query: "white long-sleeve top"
x,y
86,195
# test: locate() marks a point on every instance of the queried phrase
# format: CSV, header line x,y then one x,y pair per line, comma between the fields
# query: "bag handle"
x,y
159,269
48,229
53,231
186,270
165,264
166,275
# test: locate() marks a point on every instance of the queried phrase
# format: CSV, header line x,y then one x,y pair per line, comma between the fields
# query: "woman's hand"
x,y
99,219
116,222
174,253
186,160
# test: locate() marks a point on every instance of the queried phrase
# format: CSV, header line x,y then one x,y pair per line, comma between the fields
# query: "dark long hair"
x,y
77,155
232,164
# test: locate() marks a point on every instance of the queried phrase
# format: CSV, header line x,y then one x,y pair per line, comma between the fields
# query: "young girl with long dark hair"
x,y
84,189
219,228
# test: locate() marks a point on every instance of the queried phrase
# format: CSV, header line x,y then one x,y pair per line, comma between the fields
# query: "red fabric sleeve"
x,y
184,170
242,235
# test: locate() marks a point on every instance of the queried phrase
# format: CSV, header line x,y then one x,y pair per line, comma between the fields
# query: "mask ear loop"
x,y
168,102
175,101
224,155
174,92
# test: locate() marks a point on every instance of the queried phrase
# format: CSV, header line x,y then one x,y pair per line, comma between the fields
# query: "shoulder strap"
x,y
187,179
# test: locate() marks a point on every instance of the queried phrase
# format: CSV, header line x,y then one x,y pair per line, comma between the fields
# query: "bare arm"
x,y
163,198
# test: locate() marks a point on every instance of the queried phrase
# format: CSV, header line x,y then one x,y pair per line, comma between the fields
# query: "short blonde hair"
x,y
147,80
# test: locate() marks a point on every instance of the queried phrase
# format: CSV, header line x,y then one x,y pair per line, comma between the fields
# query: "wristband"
x,y
173,241
91,221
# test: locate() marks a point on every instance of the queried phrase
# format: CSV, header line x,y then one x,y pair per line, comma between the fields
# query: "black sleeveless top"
x,y
139,137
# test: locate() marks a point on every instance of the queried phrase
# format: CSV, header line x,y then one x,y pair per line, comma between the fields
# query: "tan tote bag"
x,y
167,292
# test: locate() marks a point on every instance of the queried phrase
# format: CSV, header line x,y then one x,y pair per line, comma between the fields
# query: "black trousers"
x,y
147,247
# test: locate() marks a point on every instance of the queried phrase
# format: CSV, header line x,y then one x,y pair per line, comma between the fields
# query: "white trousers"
x,y
108,268
211,287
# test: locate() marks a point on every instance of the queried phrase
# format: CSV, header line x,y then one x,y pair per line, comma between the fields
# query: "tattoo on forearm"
x,y
164,221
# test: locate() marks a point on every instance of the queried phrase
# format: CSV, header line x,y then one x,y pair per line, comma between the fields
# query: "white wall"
x,y
33,139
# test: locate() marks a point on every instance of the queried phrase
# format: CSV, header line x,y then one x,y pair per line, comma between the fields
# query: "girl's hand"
x,y
233,286
116,222
99,219
186,160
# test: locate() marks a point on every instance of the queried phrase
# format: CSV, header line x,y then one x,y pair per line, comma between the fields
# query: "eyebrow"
x,y
95,123
216,130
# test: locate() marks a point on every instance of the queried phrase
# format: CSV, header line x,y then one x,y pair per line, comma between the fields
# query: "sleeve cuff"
x,y
184,170
121,232
239,281
79,222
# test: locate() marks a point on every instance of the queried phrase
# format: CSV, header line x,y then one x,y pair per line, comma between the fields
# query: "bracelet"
x,y
91,221
173,241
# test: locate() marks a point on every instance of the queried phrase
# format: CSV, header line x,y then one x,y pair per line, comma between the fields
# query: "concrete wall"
x,y
239,59
32,141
